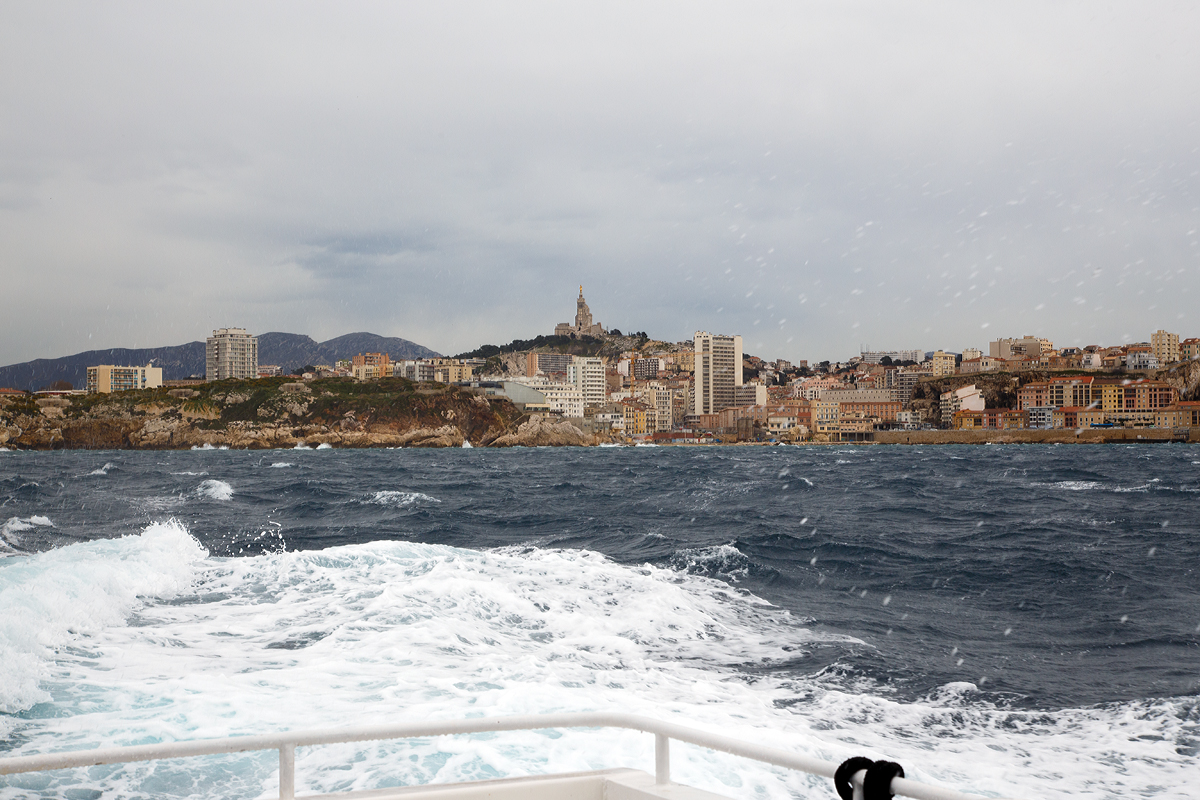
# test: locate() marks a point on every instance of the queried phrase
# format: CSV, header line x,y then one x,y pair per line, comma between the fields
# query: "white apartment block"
x,y
718,371
231,353
587,375
562,397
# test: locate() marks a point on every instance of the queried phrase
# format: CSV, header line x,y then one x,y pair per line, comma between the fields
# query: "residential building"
x,y
1141,395
1141,360
836,405
370,366
902,382
269,370
107,378
1077,417
750,394
967,398
231,353
587,375
982,364
877,356
971,352
645,369
943,363
1189,349
1018,348
640,419
547,363
1040,417
811,388
662,400
990,419
1166,347
718,371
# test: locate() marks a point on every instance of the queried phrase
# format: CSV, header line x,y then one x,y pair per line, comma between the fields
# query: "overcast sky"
x,y
814,176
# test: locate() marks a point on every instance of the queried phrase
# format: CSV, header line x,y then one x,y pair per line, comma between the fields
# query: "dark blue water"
x,y
1049,577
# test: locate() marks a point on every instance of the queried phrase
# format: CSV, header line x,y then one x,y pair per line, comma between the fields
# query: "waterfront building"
x,y
967,398
231,353
107,378
990,419
1040,417
718,371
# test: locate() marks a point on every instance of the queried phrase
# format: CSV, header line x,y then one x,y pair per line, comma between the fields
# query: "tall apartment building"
x,y
718,371
1166,347
587,375
231,353
107,378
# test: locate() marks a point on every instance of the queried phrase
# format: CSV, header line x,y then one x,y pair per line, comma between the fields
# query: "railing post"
x,y
662,759
287,771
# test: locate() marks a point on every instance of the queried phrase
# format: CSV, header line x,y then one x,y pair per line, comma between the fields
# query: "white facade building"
x,y
231,353
561,397
587,375
968,398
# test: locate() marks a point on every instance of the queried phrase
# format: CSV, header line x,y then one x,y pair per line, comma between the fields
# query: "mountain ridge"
x,y
288,350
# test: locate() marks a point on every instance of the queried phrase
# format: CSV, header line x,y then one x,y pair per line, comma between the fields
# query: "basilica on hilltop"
x,y
583,322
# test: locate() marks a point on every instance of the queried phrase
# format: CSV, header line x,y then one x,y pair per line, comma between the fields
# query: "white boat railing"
x,y
287,742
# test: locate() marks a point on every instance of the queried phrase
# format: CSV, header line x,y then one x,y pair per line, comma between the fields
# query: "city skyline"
x,y
814,178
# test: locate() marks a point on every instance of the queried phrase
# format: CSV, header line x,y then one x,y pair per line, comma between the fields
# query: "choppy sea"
x,y
1011,620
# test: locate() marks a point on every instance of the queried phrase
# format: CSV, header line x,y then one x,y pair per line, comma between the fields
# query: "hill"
x,y
288,350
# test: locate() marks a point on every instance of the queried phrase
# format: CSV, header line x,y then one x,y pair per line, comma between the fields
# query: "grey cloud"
x,y
450,173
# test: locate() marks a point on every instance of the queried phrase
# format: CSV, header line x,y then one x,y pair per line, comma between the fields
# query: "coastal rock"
x,y
540,432
445,436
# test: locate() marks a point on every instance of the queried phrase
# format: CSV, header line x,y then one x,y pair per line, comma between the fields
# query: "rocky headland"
x,y
278,413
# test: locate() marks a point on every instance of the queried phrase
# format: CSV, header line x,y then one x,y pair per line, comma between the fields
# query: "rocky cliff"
x,y
277,413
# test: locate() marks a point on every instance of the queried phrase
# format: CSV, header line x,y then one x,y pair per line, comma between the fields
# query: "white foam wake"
x,y
10,538
57,599
392,499
215,490
385,631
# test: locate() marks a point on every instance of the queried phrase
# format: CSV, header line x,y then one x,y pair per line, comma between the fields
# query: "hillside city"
x,y
707,389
